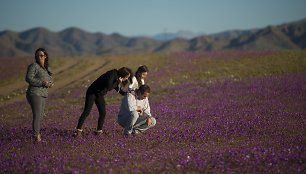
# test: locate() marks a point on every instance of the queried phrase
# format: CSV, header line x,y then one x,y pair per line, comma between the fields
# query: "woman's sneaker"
x,y
135,132
98,132
78,133
37,138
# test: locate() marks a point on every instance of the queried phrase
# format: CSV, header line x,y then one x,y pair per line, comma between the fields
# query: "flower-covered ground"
x,y
242,114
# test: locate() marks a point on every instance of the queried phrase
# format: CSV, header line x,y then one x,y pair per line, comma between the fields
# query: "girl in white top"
x,y
139,77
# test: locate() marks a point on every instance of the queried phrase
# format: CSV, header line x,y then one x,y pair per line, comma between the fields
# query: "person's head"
x,y
141,73
143,91
126,82
42,58
124,73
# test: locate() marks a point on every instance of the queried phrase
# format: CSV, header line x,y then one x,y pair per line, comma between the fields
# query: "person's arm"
x,y
30,77
111,79
146,109
147,112
132,102
120,90
133,85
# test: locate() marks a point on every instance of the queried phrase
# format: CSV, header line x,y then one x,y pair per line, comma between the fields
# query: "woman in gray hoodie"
x,y
39,78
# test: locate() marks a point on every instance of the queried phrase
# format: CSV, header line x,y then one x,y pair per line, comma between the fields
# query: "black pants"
x,y
89,101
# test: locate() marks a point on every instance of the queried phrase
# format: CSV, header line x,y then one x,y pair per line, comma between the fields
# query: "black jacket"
x,y
106,82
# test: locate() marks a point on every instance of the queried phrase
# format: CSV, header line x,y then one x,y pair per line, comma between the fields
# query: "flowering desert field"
x,y
217,112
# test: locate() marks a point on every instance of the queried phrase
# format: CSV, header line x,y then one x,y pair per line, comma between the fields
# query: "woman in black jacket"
x,y
95,93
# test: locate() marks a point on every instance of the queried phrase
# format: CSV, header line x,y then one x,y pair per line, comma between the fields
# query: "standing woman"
x,y
39,78
108,81
139,78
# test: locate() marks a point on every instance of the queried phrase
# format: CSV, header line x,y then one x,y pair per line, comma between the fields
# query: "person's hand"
x,y
149,121
139,109
47,84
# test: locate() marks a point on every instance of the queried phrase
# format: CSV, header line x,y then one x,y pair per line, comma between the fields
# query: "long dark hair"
x,y
46,64
129,81
123,72
139,71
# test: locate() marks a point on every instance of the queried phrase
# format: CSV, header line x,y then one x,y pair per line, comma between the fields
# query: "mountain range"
x,y
166,36
74,41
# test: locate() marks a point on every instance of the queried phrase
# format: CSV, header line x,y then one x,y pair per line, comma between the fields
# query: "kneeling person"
x,y
134,115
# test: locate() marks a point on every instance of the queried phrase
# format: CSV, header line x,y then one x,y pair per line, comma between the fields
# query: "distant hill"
x,y
180,34
74,41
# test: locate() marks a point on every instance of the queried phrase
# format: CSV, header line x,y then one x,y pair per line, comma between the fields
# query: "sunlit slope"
x,y
70,72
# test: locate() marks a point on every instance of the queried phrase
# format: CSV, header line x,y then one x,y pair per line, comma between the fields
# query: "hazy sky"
x,y
148,17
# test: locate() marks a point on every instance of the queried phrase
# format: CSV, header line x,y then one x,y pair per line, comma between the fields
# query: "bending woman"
x,y
95,94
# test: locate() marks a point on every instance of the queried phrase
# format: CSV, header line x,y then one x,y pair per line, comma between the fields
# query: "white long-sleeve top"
x,y
130,102
135,85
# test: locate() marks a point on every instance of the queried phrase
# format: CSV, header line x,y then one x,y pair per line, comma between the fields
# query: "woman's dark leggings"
x,y
89,101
